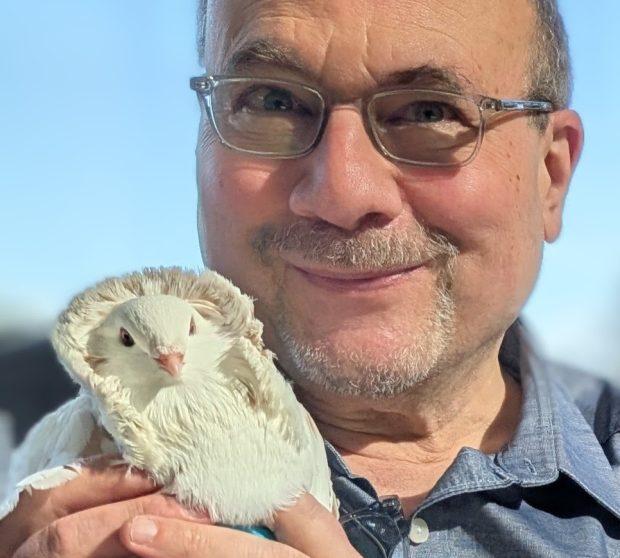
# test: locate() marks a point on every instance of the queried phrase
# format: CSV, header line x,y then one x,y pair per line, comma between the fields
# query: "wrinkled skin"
x,y
497,211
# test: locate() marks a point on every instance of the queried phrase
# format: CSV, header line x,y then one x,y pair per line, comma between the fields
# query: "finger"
x,y
96,485
101,483
94,532
157,537
312,529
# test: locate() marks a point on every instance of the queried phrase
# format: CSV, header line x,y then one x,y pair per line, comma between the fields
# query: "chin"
x,y
370,364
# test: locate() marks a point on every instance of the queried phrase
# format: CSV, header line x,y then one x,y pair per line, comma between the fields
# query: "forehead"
x,y
355,45
156,308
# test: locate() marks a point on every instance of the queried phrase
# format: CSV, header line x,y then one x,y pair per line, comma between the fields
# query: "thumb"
x,y
314,531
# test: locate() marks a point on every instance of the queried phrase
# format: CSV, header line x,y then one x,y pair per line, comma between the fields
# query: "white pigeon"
x,y
176,379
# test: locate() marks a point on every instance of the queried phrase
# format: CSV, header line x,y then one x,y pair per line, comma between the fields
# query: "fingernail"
x,y
142,530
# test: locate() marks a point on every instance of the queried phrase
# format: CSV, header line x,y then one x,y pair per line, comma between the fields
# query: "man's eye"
x,y
430,111
424,112
277,100
270,99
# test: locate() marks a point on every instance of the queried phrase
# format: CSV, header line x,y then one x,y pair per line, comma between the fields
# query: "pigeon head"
x,y
149,340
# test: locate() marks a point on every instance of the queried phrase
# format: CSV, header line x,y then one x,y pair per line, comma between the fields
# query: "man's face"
x,y
369,274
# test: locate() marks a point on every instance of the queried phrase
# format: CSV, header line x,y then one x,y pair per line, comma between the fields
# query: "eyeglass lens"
x,y
266,117
271,117
426,126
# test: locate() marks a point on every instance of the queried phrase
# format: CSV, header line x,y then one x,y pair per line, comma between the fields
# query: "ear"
x,y
562,150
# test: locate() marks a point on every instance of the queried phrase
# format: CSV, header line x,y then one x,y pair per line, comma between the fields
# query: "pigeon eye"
x,y
126,338
192,327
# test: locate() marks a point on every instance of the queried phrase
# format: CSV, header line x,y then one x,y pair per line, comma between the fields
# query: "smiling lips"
x,y
342,280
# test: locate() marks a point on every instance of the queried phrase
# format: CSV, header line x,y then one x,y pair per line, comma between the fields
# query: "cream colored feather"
x,y
222,431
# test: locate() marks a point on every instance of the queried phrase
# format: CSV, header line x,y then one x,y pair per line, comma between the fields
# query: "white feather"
x,y
227,435
49,454
49,478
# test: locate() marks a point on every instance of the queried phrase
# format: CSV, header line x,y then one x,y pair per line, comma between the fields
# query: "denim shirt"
x,y
554,490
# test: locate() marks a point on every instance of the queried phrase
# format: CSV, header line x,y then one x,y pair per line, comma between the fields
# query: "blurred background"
x,y
97,135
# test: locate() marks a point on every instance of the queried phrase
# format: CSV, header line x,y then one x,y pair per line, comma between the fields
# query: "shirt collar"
x,y
553,436
531,456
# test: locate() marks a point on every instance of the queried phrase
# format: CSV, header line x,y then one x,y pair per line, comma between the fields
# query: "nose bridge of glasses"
x,y
350,113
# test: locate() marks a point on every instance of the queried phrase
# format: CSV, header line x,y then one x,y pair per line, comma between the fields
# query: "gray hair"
x,y
201,31
550,75
549,72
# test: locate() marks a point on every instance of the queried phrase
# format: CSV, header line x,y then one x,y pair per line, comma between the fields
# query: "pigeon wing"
x,y
49,454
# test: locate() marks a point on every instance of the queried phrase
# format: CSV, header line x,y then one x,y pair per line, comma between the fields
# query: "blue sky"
x,y
97,165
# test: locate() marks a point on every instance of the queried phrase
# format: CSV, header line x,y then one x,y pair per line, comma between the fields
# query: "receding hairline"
x,y
549,74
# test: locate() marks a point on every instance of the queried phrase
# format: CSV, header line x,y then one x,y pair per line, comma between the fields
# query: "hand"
x,y
305,530
82,518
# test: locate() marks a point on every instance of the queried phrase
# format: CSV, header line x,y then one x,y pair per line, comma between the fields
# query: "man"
x,y
361,177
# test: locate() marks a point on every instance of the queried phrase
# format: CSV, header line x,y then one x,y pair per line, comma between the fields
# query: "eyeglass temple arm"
x,y
200,84
501,105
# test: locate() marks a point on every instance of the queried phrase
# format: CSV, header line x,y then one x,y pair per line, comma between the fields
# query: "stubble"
x,y
354,372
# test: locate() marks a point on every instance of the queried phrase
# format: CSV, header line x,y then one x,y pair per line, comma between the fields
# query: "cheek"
x,y
236,195
477,205
492,211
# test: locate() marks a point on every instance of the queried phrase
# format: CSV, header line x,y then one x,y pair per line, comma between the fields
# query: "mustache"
x,y
368,249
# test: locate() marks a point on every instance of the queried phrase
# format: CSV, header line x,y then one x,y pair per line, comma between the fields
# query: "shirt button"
x,y
419,531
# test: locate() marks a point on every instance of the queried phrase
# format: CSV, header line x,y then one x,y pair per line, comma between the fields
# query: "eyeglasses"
x,y
373,531
285,119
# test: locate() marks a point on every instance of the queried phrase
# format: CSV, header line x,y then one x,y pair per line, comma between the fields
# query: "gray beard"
x,y
352,373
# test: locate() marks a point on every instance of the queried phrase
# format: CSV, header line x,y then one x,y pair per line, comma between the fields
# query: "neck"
x,y
423,430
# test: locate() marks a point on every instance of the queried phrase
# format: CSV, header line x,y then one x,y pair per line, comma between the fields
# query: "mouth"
x,y
346,280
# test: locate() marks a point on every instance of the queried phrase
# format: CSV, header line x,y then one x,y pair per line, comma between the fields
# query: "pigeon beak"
x,y
171,363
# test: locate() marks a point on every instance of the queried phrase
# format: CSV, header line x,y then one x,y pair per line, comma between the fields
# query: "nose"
x,y
348,180
171,362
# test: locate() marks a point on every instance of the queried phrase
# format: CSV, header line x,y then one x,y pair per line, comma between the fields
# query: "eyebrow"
x,y
431,76
265,52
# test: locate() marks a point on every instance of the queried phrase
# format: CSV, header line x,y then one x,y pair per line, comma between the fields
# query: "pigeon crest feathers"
x,y
210,295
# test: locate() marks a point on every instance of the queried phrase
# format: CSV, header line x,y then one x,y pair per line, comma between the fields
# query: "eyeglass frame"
x,y
204,86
